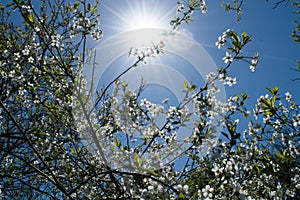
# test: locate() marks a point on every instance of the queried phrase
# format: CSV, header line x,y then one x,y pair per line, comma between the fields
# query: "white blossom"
x,y
254,62
228,58
288,96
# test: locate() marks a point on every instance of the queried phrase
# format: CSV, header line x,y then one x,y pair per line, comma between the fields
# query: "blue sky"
x,y
270,28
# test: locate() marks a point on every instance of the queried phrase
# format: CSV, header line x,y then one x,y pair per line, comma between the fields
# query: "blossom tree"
x,y
62,140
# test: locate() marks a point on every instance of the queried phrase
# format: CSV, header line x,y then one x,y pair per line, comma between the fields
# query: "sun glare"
x,y
144,20
133,15
147,14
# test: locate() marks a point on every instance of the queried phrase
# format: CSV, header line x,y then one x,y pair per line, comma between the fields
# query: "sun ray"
x,y
124,19
169,14
132,15
113,27
146,15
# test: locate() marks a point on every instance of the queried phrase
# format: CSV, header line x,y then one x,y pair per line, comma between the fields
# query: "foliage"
x,y
56,144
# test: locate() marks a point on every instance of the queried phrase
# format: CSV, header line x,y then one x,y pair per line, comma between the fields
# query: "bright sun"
x,y
144,20
146,14
139,14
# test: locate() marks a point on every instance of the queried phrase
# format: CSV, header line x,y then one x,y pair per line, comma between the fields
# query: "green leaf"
x,y
273,90
118,143
232,129
244,34
246,38
192,2
244,96
181,195
236,45
284,152
57,91
73,150
279,155
273,101
257,169
124,85
153,173
76,5
137,159
30,18
236,37
192,87
185,84
95,9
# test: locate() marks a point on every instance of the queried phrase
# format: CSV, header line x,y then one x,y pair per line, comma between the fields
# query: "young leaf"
x,y
257,170
118,143
31,18
181,195
76,5
279,155
153,173
273,90
185,84
137,160
236,37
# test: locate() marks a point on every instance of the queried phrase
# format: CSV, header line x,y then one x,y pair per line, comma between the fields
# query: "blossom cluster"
x,y
223,39
235,47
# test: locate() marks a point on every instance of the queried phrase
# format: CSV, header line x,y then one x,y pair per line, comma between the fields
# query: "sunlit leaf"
x,y
118,143
279,155
30,18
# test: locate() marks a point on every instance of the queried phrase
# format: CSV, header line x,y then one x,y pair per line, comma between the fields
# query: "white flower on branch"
x,y
230,81
288,96
254,62
228,58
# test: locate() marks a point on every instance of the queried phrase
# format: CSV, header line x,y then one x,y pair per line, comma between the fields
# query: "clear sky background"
x,y
270,28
